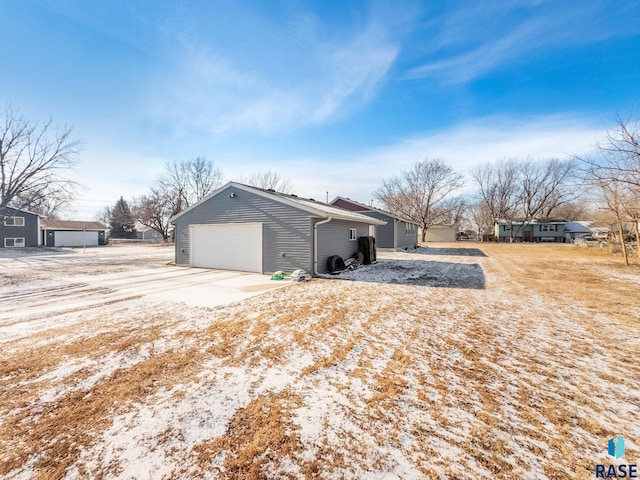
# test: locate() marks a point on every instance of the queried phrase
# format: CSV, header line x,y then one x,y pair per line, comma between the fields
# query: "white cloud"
x,y
468,42
462,146
214,90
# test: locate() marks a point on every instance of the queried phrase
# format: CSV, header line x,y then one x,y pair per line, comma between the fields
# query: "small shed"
x,y
244,228
399,233
151,235
19,228
72,233
441,233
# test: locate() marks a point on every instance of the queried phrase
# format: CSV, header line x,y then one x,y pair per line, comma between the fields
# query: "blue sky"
x,y
336,95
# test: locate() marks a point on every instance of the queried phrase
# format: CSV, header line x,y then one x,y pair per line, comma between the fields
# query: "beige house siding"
x,y
441,233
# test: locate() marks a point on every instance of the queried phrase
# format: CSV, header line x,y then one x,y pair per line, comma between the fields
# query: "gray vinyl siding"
x,y
394,233
29,231
404,239
287,232
333,239
384,233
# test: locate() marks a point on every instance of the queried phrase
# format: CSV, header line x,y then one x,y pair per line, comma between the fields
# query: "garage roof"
x,y
313,207
71,225
369,208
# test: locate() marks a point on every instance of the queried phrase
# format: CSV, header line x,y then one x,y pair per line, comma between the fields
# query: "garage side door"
x,y
75,239
233,246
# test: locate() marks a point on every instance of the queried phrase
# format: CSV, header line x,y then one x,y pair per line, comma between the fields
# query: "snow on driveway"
x,y
99,280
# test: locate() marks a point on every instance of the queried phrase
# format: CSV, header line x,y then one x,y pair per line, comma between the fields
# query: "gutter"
x,y
315,244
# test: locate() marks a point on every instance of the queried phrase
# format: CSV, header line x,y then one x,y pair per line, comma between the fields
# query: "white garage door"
x,y
75,239
227,247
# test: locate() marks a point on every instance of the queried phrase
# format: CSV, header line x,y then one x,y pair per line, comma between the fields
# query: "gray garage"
x,y
244,228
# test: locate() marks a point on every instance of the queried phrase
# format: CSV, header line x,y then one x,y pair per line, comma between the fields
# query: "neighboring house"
x,y
398,233
537,230
576,230
149,234
238,227
441,233
71,233
19,228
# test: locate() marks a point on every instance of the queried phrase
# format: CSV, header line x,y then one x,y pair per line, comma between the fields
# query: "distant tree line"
x,y
36,158
603,187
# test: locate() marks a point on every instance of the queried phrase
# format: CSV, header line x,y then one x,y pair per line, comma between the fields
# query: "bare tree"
x,y
154,211
180,186
612,196
103,215
452,211
422,194
189,182
519,191
481,217
33,159
53,202
574,210
268,180
619,158
616,174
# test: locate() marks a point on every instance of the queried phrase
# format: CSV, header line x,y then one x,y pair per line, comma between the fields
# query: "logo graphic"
x,y
616,446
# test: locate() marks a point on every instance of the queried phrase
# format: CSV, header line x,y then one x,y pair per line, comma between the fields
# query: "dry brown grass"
x,y
502,381
58,431
260,434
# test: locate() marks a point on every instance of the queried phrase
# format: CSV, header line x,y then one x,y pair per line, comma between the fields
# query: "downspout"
x,y
395,233
315,244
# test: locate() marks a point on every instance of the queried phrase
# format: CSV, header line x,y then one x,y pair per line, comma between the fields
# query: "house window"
x,y
507,228
14,221
547,228
353,233
14,242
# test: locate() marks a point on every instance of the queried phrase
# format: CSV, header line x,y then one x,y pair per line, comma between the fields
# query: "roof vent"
x,y
294,195
271,190
312,199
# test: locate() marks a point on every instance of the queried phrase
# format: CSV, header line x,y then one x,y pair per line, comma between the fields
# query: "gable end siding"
x,y
286,230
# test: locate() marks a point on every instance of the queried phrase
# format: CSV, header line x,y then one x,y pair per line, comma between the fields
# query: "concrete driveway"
x,y
194,286
52,285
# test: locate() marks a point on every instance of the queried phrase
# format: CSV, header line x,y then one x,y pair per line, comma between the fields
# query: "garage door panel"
x,y
75,239
227,246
